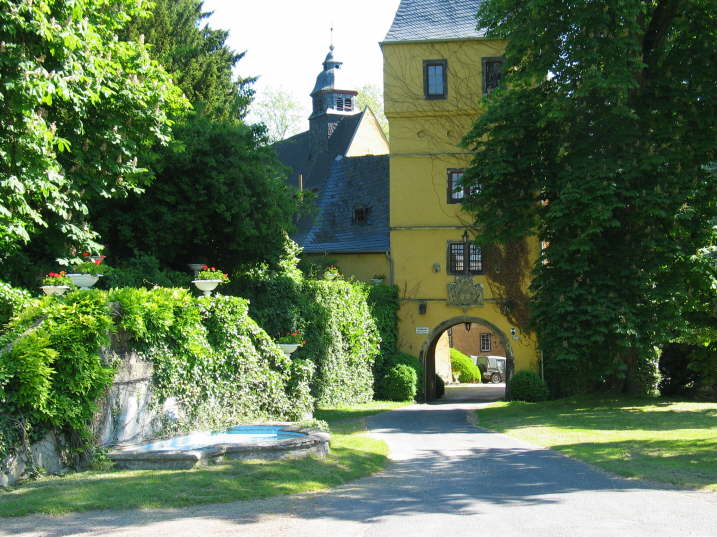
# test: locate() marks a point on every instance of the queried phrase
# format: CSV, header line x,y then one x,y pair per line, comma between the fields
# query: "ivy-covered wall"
x,y
56,361
340,328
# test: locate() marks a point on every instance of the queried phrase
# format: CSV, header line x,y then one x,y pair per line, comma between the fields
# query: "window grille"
x,y
456,191
485,342
464,258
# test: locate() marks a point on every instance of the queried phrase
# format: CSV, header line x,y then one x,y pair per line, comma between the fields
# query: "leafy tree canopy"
x,y
221,200
598,142
196,56
80,107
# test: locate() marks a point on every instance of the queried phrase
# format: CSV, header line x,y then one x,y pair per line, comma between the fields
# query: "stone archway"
x,y
428,351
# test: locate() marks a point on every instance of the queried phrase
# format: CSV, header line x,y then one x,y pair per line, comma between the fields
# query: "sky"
x,y
286,41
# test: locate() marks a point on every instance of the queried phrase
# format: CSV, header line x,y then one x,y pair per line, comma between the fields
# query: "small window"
x,y
434,79
492,74
456,191
464,258
485,342
348,104
360,216
339,104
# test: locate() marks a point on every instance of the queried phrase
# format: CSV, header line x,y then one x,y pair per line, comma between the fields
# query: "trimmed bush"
x,y
464,367
440,387
400,358
527,386
383,303
399,383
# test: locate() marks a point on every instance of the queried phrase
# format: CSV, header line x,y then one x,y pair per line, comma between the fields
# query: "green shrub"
x,y
144,271
383,303
399,383
464,367
208,354
342,340
440,387
399,358
527,386
12,300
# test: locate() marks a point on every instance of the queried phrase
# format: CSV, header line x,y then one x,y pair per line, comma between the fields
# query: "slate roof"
x,y
352,182
341,184
419,20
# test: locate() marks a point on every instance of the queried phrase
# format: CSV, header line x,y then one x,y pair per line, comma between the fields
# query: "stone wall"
x,y
124,415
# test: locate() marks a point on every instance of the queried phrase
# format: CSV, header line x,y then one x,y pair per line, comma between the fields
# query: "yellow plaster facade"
x,y
363,266
425,134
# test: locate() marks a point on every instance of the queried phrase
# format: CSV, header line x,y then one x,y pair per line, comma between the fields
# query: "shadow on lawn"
x,y
449,479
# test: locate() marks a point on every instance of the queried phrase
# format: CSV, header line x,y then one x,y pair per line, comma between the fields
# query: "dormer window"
x,y
340,104
360,216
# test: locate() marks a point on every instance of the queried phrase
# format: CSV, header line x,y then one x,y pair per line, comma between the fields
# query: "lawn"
x,y
661,440
353,455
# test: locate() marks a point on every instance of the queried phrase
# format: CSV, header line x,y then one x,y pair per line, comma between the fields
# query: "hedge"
x,y
342,339
12,300
465,368
400,358
527,386
399,383
207,352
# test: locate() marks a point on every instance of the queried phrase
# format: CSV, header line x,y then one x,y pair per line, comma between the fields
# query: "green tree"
x,y
196,56
598,142
280,113
222,199
80,109
370,95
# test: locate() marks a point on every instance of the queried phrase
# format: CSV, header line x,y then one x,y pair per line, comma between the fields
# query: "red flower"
x,y
214,268
303,342
97,261
205,267
294,334
85,254
226,275
62,273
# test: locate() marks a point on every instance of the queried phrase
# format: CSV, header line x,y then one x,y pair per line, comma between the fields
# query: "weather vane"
x,y
331,46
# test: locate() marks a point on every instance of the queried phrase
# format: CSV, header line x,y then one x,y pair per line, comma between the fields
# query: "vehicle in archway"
x,y
492,368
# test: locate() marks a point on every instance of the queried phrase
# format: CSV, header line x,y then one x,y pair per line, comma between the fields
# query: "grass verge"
x,y
353,455
658,439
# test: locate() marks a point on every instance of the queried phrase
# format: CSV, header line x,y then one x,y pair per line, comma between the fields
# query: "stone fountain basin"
x,y
302,443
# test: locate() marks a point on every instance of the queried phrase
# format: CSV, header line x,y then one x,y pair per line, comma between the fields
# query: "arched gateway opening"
x,y
428,349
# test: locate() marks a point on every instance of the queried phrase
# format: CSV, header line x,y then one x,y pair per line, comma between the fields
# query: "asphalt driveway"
x,y
446,479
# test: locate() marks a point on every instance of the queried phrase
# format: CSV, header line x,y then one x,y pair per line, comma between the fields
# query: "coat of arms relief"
x,y
465,293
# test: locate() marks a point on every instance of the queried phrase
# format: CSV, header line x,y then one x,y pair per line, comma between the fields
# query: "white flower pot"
x,y
289,348
54,289
84,281
206,286
377,281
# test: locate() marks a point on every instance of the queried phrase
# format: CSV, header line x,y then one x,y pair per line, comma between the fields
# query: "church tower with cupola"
x,y
331,101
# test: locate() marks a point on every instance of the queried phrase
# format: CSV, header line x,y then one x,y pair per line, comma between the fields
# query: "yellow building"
x,y
436,69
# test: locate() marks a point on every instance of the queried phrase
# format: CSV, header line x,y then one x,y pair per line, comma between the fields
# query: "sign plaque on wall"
x,y
422,330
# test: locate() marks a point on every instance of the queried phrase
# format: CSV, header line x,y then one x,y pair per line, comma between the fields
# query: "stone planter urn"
x,y
84,281
206,286
289,348
54,289
195,267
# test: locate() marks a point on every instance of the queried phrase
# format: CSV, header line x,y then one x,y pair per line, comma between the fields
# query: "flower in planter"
x,y
293,337
331,273
57,279
91,267
212,273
